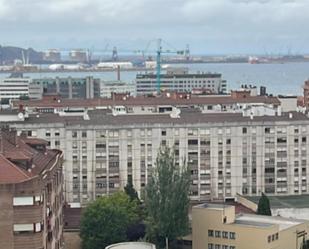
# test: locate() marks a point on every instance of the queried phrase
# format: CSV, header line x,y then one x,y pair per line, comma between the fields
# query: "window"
x,y
217,246
47,134
232,235
84,134
57,133
74,133
210,246
57,143
225,235
218,234
23,228
163,133
244,130
232,247
277,236
210,233
192,142
23,201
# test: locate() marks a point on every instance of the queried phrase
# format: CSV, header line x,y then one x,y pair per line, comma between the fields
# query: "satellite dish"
x,y
20,115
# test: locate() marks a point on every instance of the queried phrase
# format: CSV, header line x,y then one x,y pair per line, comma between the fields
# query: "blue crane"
x,y
158,60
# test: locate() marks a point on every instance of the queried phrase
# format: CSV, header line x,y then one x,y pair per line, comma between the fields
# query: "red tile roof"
x,y
143,101
19,161
10,173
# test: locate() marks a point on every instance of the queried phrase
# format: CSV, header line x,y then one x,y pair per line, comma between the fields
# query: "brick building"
x,y
31,198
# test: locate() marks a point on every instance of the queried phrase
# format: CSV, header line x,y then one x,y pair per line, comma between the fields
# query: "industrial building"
x,y
216,226
52,55
181,80
31,197
68,87
78,55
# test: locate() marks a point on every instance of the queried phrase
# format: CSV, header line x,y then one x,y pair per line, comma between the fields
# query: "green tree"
x,y
106,220
130,191
167,198
264,206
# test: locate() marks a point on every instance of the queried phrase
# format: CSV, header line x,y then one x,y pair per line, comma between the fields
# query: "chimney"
x,y
118,72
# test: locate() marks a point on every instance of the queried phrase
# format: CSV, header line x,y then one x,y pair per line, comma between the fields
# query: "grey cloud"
x,y
220,25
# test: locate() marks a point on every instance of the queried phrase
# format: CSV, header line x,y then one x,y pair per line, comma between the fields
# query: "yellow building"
x,y
216,226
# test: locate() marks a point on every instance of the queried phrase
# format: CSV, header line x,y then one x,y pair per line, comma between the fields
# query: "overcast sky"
x,y
209,26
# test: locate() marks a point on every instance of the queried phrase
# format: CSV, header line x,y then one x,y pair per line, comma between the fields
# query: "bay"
x,y
287,78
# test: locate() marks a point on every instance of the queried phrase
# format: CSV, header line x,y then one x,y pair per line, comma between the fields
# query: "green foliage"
x,y
167,198
130,191
105,221
264,206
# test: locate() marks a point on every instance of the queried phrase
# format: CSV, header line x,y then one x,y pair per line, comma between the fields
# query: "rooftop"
x,y
266,221
23,158
180,100
132,245
291,201
105,117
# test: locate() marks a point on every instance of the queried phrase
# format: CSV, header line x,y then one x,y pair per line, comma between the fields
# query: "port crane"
x,y
159,53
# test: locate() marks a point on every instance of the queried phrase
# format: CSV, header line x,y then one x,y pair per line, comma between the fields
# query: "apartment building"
x,y
31,197
14,87
216,226
181,80
252,150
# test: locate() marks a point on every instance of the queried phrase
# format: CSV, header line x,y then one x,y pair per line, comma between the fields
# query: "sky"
x,y
208,26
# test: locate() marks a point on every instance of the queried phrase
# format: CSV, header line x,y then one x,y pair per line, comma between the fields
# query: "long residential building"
x,y
181,80
31,197
248,147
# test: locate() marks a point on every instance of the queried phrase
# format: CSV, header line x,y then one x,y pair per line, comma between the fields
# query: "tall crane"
x,y
159,53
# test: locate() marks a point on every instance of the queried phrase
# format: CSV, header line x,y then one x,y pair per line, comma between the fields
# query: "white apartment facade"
x,y
181,81
14,88
107,88
228,153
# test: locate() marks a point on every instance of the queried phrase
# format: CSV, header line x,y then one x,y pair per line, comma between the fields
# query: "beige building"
x,y
31,197
215,226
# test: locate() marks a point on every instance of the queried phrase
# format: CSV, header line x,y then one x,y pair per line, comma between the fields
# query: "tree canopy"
x,y
264,206
106,220
130,191
167,198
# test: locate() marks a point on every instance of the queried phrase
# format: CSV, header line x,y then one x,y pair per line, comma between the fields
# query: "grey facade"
x,y
71,88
